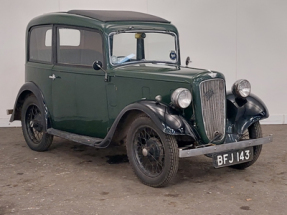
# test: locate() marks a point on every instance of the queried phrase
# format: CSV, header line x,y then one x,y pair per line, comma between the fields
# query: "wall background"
x,y
241,38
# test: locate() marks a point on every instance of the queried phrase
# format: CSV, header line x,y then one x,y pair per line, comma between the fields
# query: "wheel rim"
x,y
34,124
245,136
149,151
248,135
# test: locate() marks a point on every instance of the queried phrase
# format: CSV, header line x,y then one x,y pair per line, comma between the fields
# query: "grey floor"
x,y
74,179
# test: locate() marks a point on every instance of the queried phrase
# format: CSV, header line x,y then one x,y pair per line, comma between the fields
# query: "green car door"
x,y
78,91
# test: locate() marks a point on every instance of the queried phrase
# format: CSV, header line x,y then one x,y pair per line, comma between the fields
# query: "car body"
x,y
97,77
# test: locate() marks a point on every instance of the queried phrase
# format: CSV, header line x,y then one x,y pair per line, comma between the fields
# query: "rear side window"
x,y
79,46
40,44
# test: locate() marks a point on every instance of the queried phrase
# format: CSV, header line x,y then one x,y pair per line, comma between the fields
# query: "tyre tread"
x,y
47,139
173,149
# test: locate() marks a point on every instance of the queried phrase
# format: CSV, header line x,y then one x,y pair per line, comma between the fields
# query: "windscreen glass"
x,y
141,47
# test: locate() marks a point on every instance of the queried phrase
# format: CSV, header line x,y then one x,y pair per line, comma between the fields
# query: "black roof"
x,y
113,15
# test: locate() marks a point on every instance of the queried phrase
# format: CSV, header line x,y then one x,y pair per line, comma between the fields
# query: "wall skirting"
x,y
273,119
4,122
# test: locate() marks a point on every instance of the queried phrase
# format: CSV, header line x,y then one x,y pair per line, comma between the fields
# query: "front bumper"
x,y
224,147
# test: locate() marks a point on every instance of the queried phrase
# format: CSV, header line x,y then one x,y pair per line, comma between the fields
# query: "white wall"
x,y
241,38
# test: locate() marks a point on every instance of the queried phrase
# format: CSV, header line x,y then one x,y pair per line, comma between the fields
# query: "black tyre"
x,y
152,154
253,132
33,125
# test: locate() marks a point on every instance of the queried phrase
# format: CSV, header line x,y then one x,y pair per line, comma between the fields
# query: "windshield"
x,y
143,47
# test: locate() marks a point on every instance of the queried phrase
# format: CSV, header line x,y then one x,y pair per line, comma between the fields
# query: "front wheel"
x,y
152,154
33,122
253,132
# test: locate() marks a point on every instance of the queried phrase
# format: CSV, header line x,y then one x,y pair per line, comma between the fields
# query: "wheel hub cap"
x,y
36,124
145,152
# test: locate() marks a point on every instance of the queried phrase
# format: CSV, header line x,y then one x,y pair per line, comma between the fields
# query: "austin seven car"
x,y
100,77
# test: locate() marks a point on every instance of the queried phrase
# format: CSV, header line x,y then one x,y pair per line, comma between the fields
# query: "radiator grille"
x,y
212,94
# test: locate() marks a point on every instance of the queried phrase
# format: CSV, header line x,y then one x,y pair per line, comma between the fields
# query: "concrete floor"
x,y
74,179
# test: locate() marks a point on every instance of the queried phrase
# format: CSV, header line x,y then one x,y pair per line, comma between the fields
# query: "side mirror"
x,y
187,61
97,65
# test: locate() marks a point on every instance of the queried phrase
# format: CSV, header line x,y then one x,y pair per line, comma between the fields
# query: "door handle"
x,y
53,77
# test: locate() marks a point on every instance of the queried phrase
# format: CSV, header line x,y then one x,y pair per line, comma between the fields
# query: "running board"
x,y
90,141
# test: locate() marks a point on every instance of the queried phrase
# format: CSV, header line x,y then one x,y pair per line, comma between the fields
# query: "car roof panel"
x,y
116,16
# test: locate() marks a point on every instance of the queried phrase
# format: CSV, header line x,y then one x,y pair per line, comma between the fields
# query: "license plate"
x,y
232,157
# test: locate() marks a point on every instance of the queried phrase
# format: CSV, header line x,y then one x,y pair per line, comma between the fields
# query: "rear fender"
x,y
28,89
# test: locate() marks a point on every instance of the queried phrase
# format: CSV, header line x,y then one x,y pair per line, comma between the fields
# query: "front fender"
x,y
27,89
241,113
164,117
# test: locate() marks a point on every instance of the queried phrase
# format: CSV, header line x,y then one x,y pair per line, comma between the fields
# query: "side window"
x,y
79,47
40,44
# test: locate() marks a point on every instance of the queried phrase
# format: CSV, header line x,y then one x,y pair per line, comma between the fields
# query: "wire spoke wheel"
x,y
245,136
33,125
152,154
149,151
253,132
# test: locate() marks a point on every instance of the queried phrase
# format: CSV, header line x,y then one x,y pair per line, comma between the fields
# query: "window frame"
x,y
110,45
56,44
29,42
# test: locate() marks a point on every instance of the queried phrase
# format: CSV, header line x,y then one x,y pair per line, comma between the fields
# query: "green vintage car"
x,y
102,77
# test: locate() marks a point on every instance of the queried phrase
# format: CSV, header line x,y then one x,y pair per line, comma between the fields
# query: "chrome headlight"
x,y
241,88
181,98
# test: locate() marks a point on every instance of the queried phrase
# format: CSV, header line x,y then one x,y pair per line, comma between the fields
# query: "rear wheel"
x,y
253,132
33,122
152,154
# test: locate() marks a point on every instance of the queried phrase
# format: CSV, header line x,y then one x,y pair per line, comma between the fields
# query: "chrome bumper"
x,y
183,153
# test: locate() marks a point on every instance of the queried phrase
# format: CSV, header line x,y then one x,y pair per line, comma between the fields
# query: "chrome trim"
x,y
224,147
213,109
149,31
175,96
53,77
236,91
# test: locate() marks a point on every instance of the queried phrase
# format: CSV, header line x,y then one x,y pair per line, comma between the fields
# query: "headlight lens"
x,y
181,97
241,88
